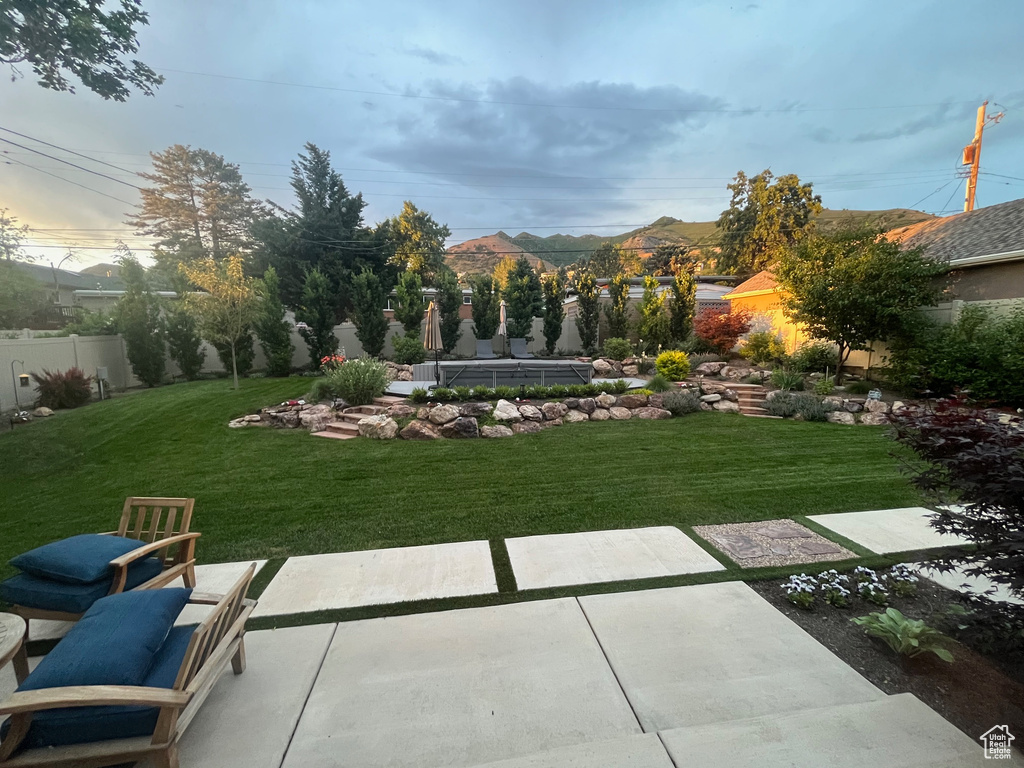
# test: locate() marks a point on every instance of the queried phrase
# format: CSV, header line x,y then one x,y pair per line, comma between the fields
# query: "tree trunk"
x,y
234,365
844,354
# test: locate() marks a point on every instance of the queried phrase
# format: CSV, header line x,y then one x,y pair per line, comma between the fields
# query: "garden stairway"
x,y
347,426
751,399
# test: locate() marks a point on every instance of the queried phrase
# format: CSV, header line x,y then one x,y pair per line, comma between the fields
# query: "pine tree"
x,y
683,306
554,310
588,310
617,311
368,297
449,302
273,330
654,327
316,318
486,306
140,324
410,305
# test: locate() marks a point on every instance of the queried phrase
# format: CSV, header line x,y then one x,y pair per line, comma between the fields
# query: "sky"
x,y
544,116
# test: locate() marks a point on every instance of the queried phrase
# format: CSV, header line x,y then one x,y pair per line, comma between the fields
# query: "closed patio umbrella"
x,y
432,338
502,330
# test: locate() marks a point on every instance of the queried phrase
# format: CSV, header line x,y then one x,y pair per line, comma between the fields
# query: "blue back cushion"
x,y
114,643
82,559
49,595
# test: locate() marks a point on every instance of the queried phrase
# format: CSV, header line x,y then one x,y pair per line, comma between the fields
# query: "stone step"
x,y
759,415
895,731
335,435
388,400
366,410
344,428
352,418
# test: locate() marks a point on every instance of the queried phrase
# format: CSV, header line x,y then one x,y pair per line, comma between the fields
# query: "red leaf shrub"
x,y
69,389
722,329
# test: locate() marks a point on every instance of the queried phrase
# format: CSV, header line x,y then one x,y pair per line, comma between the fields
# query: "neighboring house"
x,y
465,311
762,296
62,286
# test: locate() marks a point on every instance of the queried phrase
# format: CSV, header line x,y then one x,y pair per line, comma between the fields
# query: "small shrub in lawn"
x,y
358,381
617,349
909,637
660,383
835,588
68,389
825,387
483,393
681,402
558,391
815,357
442,395
902,580
763,347
787,380
408,350
811,408
782,404
505,392
418,395
800,591
858,387
322,389
673,365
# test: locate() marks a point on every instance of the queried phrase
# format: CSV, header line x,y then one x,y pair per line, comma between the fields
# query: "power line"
x,y
69,181
73,165
69,151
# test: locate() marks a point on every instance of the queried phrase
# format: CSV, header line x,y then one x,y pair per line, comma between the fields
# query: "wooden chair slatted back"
x,y
151,519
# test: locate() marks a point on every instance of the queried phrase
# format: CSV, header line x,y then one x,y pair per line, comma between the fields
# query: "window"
x,y
388,305
467,299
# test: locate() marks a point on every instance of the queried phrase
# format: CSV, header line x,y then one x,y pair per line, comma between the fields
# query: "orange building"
x,y
762,296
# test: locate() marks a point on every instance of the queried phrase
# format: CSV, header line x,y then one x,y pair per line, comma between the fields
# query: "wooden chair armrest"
x,y
135,554
210,598
92,696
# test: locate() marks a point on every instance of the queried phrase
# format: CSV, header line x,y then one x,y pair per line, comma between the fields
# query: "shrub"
x,y
321,390
69,389
763,347
673,364
577,390
815,357
408,350
800,591
722,330
418,395
358,381
539,391
781,404
910,637
695,345
184,343
483,393
696,358
558,391
787,380
505,392
442,395
619,386
643,391
811,408
617,349
825,387
660,383
462,393
681,402
859,387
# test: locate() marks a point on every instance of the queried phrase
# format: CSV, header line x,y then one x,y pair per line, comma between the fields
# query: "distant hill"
x,y
103,269
483,253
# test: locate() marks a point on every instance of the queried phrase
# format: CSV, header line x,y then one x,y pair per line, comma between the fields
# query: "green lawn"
x,y
271,493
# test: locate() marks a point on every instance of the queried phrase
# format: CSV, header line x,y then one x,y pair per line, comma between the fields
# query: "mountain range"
x,y
480,255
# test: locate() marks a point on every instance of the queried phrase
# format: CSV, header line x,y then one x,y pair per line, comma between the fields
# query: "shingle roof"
x,y
762,281
67,279
982,232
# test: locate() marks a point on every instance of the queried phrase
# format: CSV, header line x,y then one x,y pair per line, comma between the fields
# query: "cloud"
x,y
938,118
434,57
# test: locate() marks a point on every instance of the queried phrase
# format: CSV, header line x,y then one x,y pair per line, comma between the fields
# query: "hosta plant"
x,y
909,637
800,591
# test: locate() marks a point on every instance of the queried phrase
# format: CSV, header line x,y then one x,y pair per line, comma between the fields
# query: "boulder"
x,y
254,418
874,419
571,402
620,414
317,417
602,367
727,406
506,411
730,394
710,398
526,427
877,406
423,413
710,369
420,430
401,411
499,430
841,417
442,414
778,393
630,370
462,427
552,423
600,414
554,411
648,412
237,423
604,400
381,427
288,419
656,400
734,373
574,416
633,401
899,405
475,409
852,407
587,404
714,388
833,400
42,411
531,413
707,407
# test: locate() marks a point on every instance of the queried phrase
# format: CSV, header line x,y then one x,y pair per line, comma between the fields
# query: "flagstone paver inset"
x,y
888,530
597,556
773,542
377,576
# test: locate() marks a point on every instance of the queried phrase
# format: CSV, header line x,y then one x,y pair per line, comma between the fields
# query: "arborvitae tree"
x,y
554,311
588,310
683,306
524,300
486,306
316,313
184,343
368,298
138,318
244,353
654,327
617,311
273,330
410,306
449,302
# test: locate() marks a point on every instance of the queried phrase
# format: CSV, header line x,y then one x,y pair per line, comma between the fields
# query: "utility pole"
x,y
972,153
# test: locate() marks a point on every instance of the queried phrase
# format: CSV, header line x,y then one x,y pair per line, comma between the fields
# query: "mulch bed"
x,y
974,693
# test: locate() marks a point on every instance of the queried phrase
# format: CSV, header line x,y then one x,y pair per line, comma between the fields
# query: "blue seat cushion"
x,y
78,725
45,594
82,559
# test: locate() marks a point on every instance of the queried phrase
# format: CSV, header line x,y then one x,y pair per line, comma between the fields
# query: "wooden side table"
x,y
13,630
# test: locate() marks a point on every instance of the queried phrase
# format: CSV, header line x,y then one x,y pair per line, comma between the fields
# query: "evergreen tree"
x,y
654,328
617,311
554,310
683,306
273,330
410,305
184,343
486,306
316,315
418,243
449,302
588,310
241,357
605,261
368,298
524,300
140,324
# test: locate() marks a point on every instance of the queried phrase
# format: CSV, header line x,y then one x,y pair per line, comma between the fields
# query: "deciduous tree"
x,y
524,300
21,296
654,327
315,316
368,297
617,309
12,235
486,306
273,331
409,307
683,305
418,242
449,302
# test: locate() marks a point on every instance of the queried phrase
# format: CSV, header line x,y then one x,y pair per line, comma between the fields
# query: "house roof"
x,y
976,236
762,282
67,279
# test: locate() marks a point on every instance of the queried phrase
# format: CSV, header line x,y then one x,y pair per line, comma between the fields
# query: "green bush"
x,y
781,404
673,364
505,392
322,389
577,390
483,393
763,347
419,395
910,637
442,395
660,383
815,357
696,358
462,393
858,387
695,345
358,381
617,349
408,350
787,380
558,391
811,408
681,402
69,389
619,386
538,392
824,387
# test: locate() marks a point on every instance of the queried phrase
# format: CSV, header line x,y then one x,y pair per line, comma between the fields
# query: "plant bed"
x,y
974,692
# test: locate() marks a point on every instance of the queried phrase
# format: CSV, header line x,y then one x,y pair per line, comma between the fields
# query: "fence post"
x,y
74,347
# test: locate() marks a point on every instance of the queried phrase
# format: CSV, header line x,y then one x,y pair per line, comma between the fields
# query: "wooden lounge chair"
x,y
210,646
519,351
484,350
63,591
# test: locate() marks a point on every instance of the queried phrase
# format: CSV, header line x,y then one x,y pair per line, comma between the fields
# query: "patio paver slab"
x,y
645,751
715,652
888,530
978,585
460,688
377,576
597,556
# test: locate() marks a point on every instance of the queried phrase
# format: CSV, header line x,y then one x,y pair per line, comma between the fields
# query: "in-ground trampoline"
x,y
496,373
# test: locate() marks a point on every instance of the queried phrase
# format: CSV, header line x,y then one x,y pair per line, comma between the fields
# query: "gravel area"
x,y
772,542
